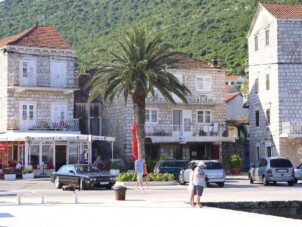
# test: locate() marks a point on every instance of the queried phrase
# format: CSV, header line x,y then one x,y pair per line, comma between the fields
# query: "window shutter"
x,y
207,84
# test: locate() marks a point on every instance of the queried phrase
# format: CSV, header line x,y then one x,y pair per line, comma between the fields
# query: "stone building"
x,y
275,72
37,87
193,131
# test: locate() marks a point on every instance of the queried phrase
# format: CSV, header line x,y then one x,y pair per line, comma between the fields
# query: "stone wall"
x,y
3,92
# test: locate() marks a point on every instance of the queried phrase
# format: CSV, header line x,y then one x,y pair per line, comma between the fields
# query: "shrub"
x,y
9,171
236,161
152,177
114,165
28,170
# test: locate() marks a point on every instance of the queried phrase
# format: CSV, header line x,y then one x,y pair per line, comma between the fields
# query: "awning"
x,y
49,136
191,139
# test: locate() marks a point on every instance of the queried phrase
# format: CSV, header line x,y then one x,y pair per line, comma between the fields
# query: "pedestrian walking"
x,y
145,173
191,185
139,169
199,182
84,157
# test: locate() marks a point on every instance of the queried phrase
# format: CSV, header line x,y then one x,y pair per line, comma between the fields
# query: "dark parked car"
x,y
213,170
83,175
273,170
170,166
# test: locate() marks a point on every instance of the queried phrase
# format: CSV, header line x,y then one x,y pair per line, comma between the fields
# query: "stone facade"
x,y
120,118
280,61
41,93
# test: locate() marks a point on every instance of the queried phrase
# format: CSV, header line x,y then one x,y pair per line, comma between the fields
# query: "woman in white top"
x,y
191,185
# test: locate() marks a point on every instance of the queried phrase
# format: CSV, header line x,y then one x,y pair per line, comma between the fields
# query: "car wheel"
x,y
221,184
274,182
291,183
264,181
82,184
296,181
251,179
57,183
181,180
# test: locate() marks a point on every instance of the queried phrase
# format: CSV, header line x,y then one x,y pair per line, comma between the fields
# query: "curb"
x,y
150,183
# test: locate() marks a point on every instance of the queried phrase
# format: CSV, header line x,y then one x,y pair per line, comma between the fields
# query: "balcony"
x,y
291,130
41,124
188,133
193,99
69,87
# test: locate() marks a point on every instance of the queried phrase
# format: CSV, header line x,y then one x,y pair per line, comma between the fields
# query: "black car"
x,y
82,175
170,166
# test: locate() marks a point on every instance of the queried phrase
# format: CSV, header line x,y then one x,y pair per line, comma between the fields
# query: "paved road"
x,y
158,205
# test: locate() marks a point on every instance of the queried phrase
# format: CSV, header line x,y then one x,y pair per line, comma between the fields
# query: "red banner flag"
x,y
134,142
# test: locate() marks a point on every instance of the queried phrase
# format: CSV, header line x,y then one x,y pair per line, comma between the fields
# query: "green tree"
x,y
138,66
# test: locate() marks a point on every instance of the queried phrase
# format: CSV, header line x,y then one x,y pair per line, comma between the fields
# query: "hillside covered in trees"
x,y
201,28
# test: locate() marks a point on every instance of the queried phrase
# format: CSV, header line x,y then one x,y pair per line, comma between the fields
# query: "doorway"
x,y
60,156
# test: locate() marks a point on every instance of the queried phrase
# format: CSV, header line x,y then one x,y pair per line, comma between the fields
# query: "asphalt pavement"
x,y
154,206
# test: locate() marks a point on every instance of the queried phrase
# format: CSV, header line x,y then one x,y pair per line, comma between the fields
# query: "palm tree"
x,y
138,67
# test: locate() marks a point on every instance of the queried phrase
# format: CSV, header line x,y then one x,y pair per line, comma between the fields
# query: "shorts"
x,y
198,190
139,175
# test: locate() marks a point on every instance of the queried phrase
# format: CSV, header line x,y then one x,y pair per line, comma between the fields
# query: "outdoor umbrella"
x,y
2,147
134,142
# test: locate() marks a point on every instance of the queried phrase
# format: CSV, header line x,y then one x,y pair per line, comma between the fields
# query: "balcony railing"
x,y
193,99
13,81
292,128
41,124
189,130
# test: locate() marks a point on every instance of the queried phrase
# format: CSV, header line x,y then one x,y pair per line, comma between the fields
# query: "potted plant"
x,y
114,169
227,167
236,163
27,174
9,174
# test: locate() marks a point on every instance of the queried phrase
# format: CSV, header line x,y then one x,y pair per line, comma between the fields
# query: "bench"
x,y
44,193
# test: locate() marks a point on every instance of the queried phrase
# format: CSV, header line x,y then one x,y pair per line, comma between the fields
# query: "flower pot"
x,y
28,176
114,172
9,177
227,171
236,171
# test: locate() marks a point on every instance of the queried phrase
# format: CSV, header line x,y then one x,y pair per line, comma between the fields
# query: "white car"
x,y
298,172
273,169
214,172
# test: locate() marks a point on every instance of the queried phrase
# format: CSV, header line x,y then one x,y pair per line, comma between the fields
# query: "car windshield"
x,y
280,163
87,169
213,165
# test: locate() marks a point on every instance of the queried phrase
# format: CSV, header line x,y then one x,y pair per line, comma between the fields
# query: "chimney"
x,y
214,62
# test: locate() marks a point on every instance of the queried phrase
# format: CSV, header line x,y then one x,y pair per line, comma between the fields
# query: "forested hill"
x,y
201,28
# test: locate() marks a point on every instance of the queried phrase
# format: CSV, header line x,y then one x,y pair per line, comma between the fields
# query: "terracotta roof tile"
x,y
281,10
229,96
37,36
227,88
189,62
231,78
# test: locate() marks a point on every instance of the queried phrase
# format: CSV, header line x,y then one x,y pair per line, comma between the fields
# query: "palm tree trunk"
x,y
139,117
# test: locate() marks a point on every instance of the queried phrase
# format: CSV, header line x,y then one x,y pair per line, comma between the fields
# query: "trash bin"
x,y
120,192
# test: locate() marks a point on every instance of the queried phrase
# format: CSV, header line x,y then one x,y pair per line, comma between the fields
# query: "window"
x,y
151,115
28,72
58,112
269,151
268,117
58,71
257,118
203,83
256,43
267,37
257,86
267,81
203,116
